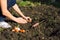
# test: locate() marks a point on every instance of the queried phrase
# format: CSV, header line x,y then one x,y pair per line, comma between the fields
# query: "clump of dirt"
x,y
48,18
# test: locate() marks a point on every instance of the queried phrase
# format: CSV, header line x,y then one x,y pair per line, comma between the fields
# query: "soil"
x,y
48,18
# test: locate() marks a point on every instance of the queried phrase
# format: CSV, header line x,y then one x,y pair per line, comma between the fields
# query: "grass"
x,y
1,29
28,3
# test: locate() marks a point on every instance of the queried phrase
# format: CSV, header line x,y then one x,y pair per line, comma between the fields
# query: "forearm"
x,y
16,8
5,11
9,15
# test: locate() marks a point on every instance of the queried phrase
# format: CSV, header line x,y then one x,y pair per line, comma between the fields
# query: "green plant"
x,y
1,29
28,3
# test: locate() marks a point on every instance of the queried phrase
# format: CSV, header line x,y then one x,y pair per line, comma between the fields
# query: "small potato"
x,y
16,29
13,30
22,31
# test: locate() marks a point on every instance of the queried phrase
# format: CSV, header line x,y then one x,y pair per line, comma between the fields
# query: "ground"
x,y
48,18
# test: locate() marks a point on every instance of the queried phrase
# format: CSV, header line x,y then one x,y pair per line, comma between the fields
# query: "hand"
x,y
28,19
20,20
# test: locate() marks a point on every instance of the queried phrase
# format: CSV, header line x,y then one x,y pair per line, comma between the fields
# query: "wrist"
x,y
24,17
14,19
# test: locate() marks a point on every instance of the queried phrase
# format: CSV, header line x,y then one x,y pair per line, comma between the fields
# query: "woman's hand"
x,y
20,20
28,19
17,9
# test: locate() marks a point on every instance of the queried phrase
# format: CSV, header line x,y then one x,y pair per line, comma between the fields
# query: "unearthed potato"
x,y
22,31
13,30
17,29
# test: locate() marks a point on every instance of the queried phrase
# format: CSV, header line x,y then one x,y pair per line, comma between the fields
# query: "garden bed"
x,y
48,18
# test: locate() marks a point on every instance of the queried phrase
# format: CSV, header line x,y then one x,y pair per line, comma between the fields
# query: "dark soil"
x,y
48,29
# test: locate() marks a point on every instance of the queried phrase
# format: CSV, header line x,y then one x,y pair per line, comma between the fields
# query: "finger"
x,y
22,21
29,19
